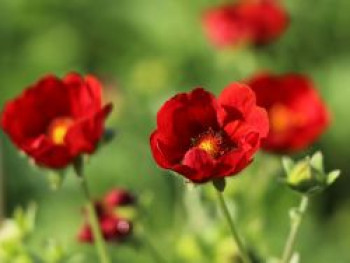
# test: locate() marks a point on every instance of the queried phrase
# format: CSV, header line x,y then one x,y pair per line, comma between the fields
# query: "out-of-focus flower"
x,y
308,175
114,226
255,22
54,121
119,197
297,114
204,138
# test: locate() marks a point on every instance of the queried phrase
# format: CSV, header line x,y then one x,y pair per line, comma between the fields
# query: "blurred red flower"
x,y
55,120
256,22
297,114
204,138
119,197
113,226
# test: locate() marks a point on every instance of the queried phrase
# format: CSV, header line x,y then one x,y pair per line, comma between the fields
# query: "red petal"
x,y
47,154
84,135
231,163
27,116
201,163
119,197
235,103
85,94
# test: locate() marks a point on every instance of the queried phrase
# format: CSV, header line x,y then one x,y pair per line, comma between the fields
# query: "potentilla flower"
x,y
115,227
54,121
255,22
204,138
298,116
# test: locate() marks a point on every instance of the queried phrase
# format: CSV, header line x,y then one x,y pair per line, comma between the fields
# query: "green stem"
x,y
93,219
295,225
243,251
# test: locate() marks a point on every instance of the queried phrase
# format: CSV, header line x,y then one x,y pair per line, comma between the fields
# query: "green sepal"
x,y
316,161
333,176
288,164
219,184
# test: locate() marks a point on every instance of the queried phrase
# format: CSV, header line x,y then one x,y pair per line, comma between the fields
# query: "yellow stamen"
x,y
282,119
58,129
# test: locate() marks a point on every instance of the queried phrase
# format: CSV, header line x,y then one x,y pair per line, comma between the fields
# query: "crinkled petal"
x,y
45,153
180,119
200,162
27,116
85,134
85,94
235,103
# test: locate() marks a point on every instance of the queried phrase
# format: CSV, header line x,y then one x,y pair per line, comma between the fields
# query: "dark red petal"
x,y
119,197
200,162
165,155
85,94
85,234
257,121
84,135
235,103
114,228
47,154
179,120
28,116
224,26
231,163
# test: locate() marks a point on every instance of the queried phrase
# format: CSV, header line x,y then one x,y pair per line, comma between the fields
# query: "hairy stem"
x,y
295,226
243,251
93,219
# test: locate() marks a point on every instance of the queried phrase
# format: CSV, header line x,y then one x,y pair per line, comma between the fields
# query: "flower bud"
x,y
307,175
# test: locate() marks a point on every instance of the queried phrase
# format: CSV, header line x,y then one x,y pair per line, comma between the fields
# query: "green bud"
x,y
307,175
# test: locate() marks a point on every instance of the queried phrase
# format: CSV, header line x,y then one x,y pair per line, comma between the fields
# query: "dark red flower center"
x,y
58,129
213,143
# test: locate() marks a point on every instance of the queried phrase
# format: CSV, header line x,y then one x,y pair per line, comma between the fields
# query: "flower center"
x,y
211,142
282,119
58,129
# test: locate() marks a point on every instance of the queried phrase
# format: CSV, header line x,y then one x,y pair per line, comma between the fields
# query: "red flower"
x,y
113,227
256,22
204,138
54,121
297,114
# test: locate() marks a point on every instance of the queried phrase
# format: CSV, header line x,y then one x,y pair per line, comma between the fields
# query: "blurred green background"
x,y
145,51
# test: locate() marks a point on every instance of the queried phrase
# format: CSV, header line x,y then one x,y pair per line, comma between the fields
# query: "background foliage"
x,y
145,51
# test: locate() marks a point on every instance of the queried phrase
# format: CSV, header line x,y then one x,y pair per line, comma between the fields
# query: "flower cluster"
x,y
114,227
257,22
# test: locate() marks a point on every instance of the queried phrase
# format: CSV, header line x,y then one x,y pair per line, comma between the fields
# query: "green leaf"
x,y
332,176
316,161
